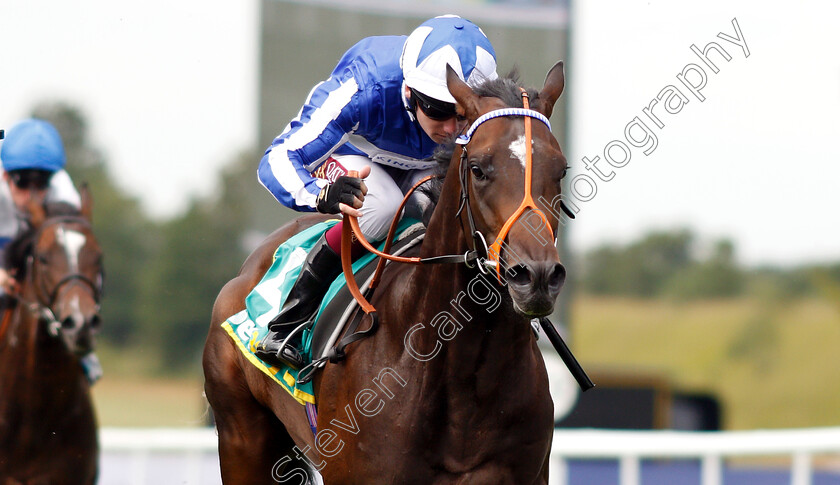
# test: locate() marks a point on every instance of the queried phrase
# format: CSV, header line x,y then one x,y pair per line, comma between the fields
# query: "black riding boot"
x,y
321,267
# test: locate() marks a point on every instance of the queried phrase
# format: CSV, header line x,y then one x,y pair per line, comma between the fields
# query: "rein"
x,y
4,324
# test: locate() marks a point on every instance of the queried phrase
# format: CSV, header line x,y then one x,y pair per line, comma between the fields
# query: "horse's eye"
x,y
477,172
563,174
42,258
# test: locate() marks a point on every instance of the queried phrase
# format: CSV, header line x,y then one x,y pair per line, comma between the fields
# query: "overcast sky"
x,y
758,160
169,89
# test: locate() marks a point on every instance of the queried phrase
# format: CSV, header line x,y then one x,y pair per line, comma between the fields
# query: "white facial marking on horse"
x,y
72,242
517,149
76,308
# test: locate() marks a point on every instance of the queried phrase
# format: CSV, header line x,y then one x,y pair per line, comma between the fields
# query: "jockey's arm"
x,y
328,117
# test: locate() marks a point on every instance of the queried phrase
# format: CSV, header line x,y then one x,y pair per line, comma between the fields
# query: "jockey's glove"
x,y
347,190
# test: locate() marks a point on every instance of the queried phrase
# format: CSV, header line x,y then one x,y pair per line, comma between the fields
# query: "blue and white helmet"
x,y
33,144
443,40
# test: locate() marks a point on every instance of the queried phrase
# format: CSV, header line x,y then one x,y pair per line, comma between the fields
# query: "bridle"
x,y
45,298
481,255
490,255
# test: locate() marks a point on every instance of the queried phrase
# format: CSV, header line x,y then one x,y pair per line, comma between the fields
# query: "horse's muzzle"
x,y
534,286
78,333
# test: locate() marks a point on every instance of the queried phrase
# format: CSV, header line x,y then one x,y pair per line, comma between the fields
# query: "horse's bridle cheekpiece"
x,y
492,254
44,309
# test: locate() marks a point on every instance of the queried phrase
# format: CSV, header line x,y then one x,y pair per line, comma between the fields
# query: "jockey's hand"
x,y
345,195
7,282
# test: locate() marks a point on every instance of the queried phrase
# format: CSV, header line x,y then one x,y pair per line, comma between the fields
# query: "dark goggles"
x,y
433,108
31,178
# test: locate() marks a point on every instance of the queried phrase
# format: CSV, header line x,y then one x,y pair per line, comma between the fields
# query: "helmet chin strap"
x,y
409,103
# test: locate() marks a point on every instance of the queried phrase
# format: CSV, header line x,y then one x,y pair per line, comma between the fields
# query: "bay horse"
x,y
452,388
48,431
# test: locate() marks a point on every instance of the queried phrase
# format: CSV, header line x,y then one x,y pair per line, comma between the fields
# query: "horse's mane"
x,y
505,88
21,246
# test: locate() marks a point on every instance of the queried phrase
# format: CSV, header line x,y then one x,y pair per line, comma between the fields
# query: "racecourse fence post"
x,y
711,472
558,471
629,470
800,473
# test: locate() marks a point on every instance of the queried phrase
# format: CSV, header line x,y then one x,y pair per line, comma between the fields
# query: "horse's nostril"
x,y
518,275
68,323
557,276
95,323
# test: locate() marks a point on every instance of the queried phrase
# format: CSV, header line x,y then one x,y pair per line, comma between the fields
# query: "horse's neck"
x,y
444,234
37,358
41,386
452,294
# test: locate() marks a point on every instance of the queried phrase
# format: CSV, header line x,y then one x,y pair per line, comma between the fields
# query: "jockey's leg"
x,y
323,265
416,206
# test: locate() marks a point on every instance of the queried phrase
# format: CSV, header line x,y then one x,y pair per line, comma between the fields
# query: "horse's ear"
x,y
87,202
462,93
555,81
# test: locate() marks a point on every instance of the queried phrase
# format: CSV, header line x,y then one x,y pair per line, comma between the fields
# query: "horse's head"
x,y
65,274
511,167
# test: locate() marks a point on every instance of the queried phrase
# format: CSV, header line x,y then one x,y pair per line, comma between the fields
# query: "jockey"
x,y
33,159
382,112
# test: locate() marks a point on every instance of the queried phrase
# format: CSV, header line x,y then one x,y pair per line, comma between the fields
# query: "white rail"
x,y
139,456
628,447
158,439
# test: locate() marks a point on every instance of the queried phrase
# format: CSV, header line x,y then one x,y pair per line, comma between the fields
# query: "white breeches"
x,y
386,188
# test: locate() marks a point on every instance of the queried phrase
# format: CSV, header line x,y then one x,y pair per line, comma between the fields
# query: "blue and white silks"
x,y
359,110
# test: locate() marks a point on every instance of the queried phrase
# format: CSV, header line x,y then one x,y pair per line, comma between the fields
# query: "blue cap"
x,y
32,144
441,41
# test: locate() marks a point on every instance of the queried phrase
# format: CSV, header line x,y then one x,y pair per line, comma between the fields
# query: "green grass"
x,y
773,363
131,394
147,402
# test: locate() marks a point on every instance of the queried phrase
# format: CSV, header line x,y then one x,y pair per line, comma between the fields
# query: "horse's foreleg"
x,y
254,451
254,447
543,478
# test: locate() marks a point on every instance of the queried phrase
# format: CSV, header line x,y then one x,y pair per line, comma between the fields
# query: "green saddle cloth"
x,y
249,326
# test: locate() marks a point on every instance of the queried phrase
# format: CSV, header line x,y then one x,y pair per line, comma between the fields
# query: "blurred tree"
x,y
663,264
826,282
639,269
124,232
717,276
198,253
163,277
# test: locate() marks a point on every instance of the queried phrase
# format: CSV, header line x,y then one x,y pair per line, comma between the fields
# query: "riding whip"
x,y
569,359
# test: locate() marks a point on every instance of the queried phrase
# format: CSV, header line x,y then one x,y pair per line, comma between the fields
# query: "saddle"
x,y
338,310
321,342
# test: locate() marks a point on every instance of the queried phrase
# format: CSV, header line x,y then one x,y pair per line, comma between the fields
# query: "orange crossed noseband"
x,y
495,249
